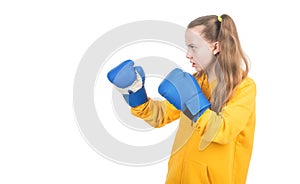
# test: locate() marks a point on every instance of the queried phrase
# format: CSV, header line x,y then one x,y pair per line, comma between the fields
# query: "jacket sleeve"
x,y
156,113
224,127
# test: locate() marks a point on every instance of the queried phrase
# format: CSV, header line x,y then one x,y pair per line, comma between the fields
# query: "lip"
x,y
193,64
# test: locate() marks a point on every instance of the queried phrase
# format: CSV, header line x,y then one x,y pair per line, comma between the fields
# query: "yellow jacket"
x,y
217,148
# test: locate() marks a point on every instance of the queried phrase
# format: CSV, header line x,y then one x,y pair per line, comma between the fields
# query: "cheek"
x,y
205,53
203,56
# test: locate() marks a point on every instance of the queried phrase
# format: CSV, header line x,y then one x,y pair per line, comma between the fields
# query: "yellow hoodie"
x,y
217,148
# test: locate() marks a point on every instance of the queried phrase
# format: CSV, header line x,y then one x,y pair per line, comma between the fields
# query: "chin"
x,y
198,69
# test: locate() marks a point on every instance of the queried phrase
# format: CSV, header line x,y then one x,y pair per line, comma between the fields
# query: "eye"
x,y
192,46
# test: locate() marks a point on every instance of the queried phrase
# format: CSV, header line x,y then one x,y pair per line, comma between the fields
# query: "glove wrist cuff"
x,y
137,98
196,106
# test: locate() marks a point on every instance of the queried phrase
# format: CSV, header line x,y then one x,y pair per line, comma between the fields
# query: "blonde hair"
x,y
229,67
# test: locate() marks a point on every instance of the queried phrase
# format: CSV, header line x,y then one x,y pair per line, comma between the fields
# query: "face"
x,y
199,51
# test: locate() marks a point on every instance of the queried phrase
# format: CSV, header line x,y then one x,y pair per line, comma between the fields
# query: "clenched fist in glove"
x,y
182,90
129,80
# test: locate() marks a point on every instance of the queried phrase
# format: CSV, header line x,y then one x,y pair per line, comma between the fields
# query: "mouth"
x,y
193,64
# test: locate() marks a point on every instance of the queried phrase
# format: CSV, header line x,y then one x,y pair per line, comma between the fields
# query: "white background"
x,y
42,43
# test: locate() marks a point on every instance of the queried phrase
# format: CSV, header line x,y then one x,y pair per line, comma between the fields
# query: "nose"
x,y
188,55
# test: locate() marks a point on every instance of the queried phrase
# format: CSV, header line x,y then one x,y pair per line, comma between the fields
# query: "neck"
x,y
211,76
210,71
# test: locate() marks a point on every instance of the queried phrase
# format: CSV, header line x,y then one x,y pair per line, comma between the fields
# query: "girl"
x,y
214,143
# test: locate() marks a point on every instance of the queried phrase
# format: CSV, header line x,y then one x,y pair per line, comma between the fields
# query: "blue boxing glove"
x,y
129,80
182,90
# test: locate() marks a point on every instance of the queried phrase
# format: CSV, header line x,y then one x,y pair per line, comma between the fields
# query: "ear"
x,y
216,49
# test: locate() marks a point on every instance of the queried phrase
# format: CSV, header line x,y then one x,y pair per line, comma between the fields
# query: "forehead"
x,y
199,29
194,35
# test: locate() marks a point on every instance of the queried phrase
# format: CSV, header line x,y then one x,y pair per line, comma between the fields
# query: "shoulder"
x,y
248,82
247,86
244,93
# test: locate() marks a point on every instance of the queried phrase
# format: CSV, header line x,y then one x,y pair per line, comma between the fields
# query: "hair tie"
x,y
220,18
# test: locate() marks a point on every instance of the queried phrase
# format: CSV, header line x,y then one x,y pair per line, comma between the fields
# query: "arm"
x,y
129,80
156,113
235,115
